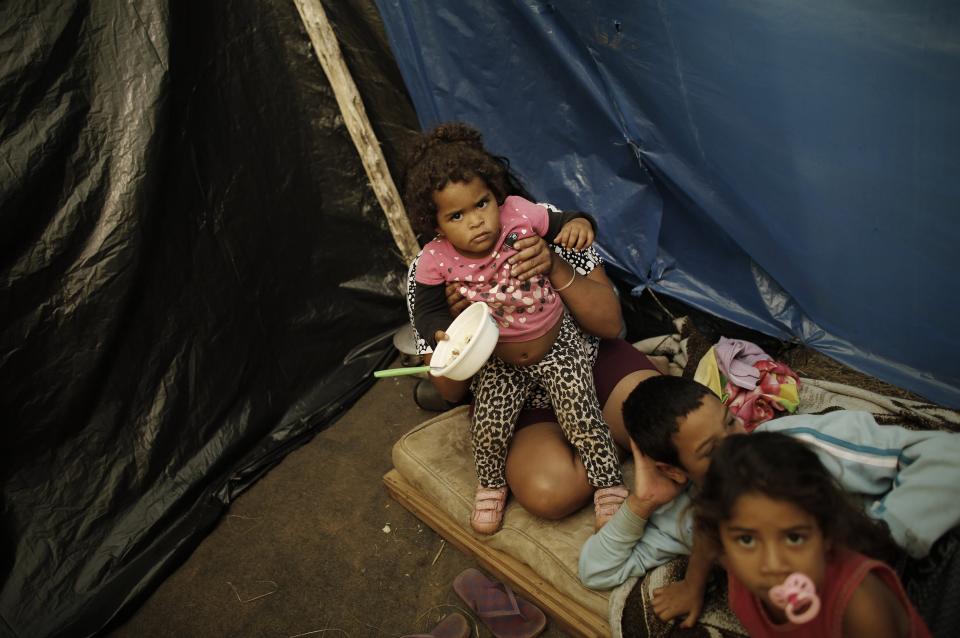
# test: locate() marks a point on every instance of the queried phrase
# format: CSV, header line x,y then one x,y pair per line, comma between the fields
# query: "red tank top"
x,y
845,571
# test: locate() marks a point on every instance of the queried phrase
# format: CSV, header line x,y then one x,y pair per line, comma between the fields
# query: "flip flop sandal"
x,y
452,626
505,614
606,502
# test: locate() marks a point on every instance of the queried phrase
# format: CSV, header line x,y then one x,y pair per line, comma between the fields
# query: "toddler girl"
x,y
460,191
775,510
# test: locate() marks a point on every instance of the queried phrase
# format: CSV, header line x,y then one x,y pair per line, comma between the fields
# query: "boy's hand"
x,y
677,599
440,335
651,487
576,234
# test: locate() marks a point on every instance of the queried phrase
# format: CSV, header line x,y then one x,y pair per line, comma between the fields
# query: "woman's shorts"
x,y
616,359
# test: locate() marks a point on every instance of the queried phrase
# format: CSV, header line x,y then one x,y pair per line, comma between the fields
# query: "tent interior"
x,y
199,276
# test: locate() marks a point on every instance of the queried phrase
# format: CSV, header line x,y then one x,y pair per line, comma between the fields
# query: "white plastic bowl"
x,y
473,335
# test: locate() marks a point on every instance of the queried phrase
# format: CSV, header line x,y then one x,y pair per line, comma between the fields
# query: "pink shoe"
x,y
606,502
488,504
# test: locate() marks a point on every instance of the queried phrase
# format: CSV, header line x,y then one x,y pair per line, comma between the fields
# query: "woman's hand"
x,y
534,257
456,301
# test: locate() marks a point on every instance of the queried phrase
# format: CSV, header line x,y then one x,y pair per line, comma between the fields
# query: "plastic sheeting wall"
x,y
189,250
792,167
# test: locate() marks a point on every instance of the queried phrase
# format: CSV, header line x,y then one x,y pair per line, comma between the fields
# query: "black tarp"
x,y
192,262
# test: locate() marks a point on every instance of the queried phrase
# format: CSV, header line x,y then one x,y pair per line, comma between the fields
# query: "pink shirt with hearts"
x,y
524,310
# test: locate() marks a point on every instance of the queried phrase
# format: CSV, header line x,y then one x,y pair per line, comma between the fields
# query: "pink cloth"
x,y
764,401
735,358
753,382
524,310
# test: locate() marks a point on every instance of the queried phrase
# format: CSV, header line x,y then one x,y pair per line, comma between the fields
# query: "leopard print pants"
x,y
567,375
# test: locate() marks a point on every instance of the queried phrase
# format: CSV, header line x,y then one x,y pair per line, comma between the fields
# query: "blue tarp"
x,y
792,167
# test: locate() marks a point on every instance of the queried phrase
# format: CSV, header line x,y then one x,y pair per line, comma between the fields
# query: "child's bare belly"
x,y
525,353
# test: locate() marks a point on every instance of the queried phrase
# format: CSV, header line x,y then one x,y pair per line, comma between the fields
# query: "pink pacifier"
x,y
798,597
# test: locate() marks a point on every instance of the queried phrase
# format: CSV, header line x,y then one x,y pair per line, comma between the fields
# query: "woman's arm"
x,y
590,298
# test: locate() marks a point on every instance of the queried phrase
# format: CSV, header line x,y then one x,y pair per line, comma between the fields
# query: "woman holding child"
x,y
545,473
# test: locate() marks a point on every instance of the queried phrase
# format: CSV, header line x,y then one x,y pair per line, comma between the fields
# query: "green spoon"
x,y
400,372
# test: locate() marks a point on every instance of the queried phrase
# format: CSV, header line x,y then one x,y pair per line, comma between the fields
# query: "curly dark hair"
x,y
786,469
451,152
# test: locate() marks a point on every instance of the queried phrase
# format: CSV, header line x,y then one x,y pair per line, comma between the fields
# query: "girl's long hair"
x,y
452,152
783,468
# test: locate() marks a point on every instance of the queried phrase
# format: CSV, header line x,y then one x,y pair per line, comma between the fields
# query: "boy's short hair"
x,y
653,411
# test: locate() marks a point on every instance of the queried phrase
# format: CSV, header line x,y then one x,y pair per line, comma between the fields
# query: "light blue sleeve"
x,y
909,477
631,546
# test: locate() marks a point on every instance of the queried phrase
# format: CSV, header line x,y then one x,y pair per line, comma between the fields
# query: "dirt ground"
x,y
317,547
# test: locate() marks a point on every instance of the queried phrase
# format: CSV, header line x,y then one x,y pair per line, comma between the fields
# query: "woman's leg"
x,y
544,471
619,369
613,407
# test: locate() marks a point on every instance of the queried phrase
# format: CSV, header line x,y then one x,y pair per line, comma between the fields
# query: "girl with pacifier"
x,y
802,558
458,190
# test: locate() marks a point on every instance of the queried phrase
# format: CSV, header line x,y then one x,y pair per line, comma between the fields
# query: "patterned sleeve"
x,y
583,261
421,344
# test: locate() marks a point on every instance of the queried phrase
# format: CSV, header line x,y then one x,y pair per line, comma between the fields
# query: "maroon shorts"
x,y
615,359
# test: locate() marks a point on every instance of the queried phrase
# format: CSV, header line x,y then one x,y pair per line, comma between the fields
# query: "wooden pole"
x,y
327,48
